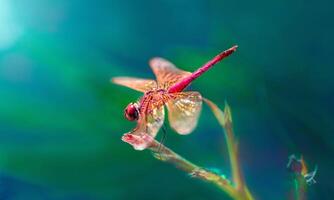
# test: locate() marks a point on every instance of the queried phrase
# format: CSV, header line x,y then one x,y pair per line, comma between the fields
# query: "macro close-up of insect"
x,y
166,99
183,107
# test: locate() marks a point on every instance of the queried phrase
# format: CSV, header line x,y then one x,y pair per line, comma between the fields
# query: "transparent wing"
x,y
151,119
154,120
166,72
141,85
147,128
184,109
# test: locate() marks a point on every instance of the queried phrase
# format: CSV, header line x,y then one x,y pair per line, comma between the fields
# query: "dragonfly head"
x,y
131,112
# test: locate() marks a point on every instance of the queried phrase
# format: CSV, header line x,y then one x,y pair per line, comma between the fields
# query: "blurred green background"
x,y
61,120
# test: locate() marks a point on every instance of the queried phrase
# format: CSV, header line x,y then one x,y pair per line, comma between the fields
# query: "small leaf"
x,y
227,115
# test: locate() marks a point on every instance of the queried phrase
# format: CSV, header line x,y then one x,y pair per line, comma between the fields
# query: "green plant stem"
x,y
237,189
225,120
300,187
165,154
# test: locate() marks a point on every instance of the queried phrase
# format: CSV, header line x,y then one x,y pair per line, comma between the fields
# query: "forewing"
x,y
166,72
184,109
141,85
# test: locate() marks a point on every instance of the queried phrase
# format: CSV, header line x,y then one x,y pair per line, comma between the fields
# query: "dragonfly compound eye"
x,y
131,112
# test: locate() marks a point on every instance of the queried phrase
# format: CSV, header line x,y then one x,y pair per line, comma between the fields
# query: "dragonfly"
x,y
167,90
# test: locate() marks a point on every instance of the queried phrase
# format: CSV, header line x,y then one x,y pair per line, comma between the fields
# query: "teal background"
x,y
61,120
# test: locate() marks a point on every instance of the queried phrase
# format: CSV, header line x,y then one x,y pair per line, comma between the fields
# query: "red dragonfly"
x,y
183,107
